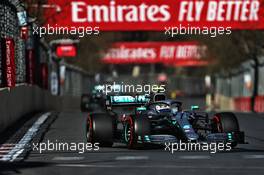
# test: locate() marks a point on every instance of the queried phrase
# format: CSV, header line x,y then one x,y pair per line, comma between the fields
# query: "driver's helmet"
x,y
162,107
175,109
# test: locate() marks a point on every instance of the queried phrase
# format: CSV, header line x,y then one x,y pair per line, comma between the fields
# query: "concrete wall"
x,y
19,101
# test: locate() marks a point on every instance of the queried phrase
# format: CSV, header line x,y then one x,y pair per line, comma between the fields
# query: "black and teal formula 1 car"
x,y
137,120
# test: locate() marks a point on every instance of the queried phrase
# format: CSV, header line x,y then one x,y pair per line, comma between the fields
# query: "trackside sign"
x,y
168,53
124,15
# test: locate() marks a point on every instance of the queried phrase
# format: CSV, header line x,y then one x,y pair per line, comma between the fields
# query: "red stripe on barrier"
x,y
259,104
242,104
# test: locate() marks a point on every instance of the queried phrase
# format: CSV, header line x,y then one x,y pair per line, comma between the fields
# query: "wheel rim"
x,y
218,124
128,133
89,130
129,129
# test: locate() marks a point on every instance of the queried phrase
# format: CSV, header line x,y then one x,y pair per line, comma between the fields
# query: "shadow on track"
x,y
243,150
143,147
16,167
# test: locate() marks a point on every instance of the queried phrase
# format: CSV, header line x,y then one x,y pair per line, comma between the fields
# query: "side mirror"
x,y
194,107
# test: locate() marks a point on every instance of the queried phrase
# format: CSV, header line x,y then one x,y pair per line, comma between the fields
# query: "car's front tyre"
x,y
99,129
225,122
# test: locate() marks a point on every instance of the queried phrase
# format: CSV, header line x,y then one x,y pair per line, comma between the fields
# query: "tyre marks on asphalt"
x,y
194,157
257,156
147,158
61,158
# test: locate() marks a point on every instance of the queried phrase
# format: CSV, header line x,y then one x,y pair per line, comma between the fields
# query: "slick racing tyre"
x,y
135,128
225,122
100,129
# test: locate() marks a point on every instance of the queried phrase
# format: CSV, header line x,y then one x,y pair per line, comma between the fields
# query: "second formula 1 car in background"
x,y
96,99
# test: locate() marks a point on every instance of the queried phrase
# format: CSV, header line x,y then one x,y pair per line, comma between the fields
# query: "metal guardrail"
x,y
234,84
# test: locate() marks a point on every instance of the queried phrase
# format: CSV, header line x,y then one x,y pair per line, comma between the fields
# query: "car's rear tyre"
x,y
133,128
225,122
100,129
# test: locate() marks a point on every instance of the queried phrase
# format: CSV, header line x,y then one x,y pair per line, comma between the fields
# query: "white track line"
x,y
20,147
160,166
132,158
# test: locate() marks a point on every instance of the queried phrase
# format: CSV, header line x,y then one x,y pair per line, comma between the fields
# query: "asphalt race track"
x,y
246,159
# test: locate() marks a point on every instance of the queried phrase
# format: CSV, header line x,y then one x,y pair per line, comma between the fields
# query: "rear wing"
x,y
126,100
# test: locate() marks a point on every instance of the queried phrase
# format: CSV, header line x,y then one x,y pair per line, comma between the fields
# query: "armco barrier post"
x,y
30,59
30,66
256,84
